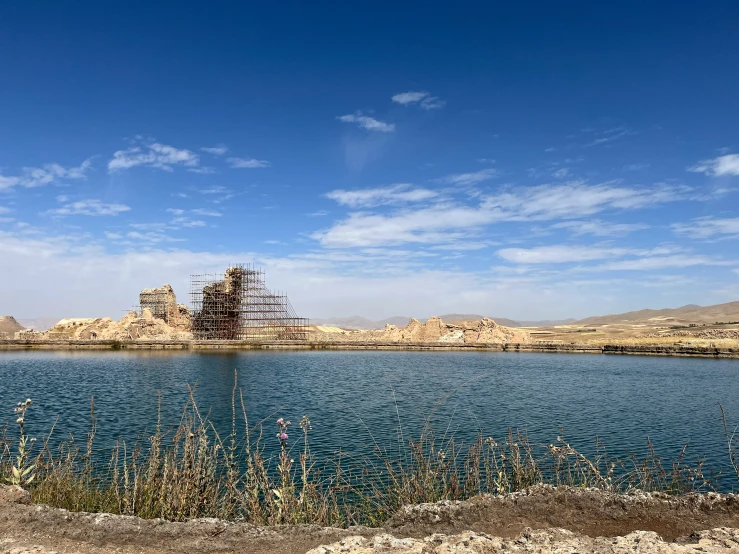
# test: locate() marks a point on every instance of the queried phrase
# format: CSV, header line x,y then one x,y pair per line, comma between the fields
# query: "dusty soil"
x,y
572,518
549,541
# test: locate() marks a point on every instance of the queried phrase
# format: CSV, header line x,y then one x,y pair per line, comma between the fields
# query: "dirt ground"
x,y
567,514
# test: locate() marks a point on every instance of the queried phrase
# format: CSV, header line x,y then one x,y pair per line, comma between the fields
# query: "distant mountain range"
x,y
362,323
692,313
39,323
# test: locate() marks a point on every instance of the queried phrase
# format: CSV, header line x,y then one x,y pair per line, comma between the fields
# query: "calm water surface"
x,y
621,399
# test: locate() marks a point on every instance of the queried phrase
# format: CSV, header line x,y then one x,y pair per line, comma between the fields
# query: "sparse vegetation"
x,y
192,471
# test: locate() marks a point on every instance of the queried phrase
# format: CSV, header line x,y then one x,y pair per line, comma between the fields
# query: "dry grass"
x,y
192,472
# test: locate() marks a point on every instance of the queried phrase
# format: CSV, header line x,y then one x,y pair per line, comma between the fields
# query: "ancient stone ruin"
x,y
238,306
162,303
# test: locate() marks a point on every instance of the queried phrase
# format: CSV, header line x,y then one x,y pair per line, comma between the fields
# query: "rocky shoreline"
x,y
541,519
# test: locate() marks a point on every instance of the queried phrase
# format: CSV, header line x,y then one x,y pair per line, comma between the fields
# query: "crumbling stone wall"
x,y
162,303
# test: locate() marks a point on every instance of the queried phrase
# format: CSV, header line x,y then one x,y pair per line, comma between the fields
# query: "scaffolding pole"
x,y
238,306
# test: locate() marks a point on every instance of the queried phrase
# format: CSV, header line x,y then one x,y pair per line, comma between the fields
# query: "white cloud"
x,y
446,222
215,189
89,207
600,228
151,226
379,196
577,198
708,227
561,173
427,225
406,98
719,167
423,99
210,213
205,170
326,286
658,258
662,262
219,150
247,163
47,174
155,154
187,222
559,253
151,237
4,210
366,122
469,178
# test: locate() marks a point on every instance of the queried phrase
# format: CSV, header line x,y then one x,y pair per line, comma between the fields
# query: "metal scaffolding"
x,y
238,306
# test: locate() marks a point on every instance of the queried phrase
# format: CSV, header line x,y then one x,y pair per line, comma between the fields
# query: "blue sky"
x,y
525,161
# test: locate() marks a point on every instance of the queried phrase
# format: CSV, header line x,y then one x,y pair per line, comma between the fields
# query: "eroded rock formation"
x,y
485,331
131,327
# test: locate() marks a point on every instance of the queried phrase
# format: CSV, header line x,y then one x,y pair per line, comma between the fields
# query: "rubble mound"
x,y
9,325
485,331
131,327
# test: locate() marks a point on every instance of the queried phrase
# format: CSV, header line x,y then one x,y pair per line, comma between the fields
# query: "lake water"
x,y
348,394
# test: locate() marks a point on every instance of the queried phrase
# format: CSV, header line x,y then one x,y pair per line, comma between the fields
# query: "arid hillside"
x,y
9,325
685,315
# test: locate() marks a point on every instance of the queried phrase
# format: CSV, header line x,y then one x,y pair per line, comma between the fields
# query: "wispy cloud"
x,y
215,189
423,99
469,178
207,213
219,150
562,253
600,228
366,122
709,227
247,163
45,175
447,221
205,170
609,135
663,262
88,207
718,167
152,237
152,154
187,222
394,194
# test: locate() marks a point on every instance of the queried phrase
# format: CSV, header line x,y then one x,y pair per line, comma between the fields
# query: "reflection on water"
x,y
348,395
